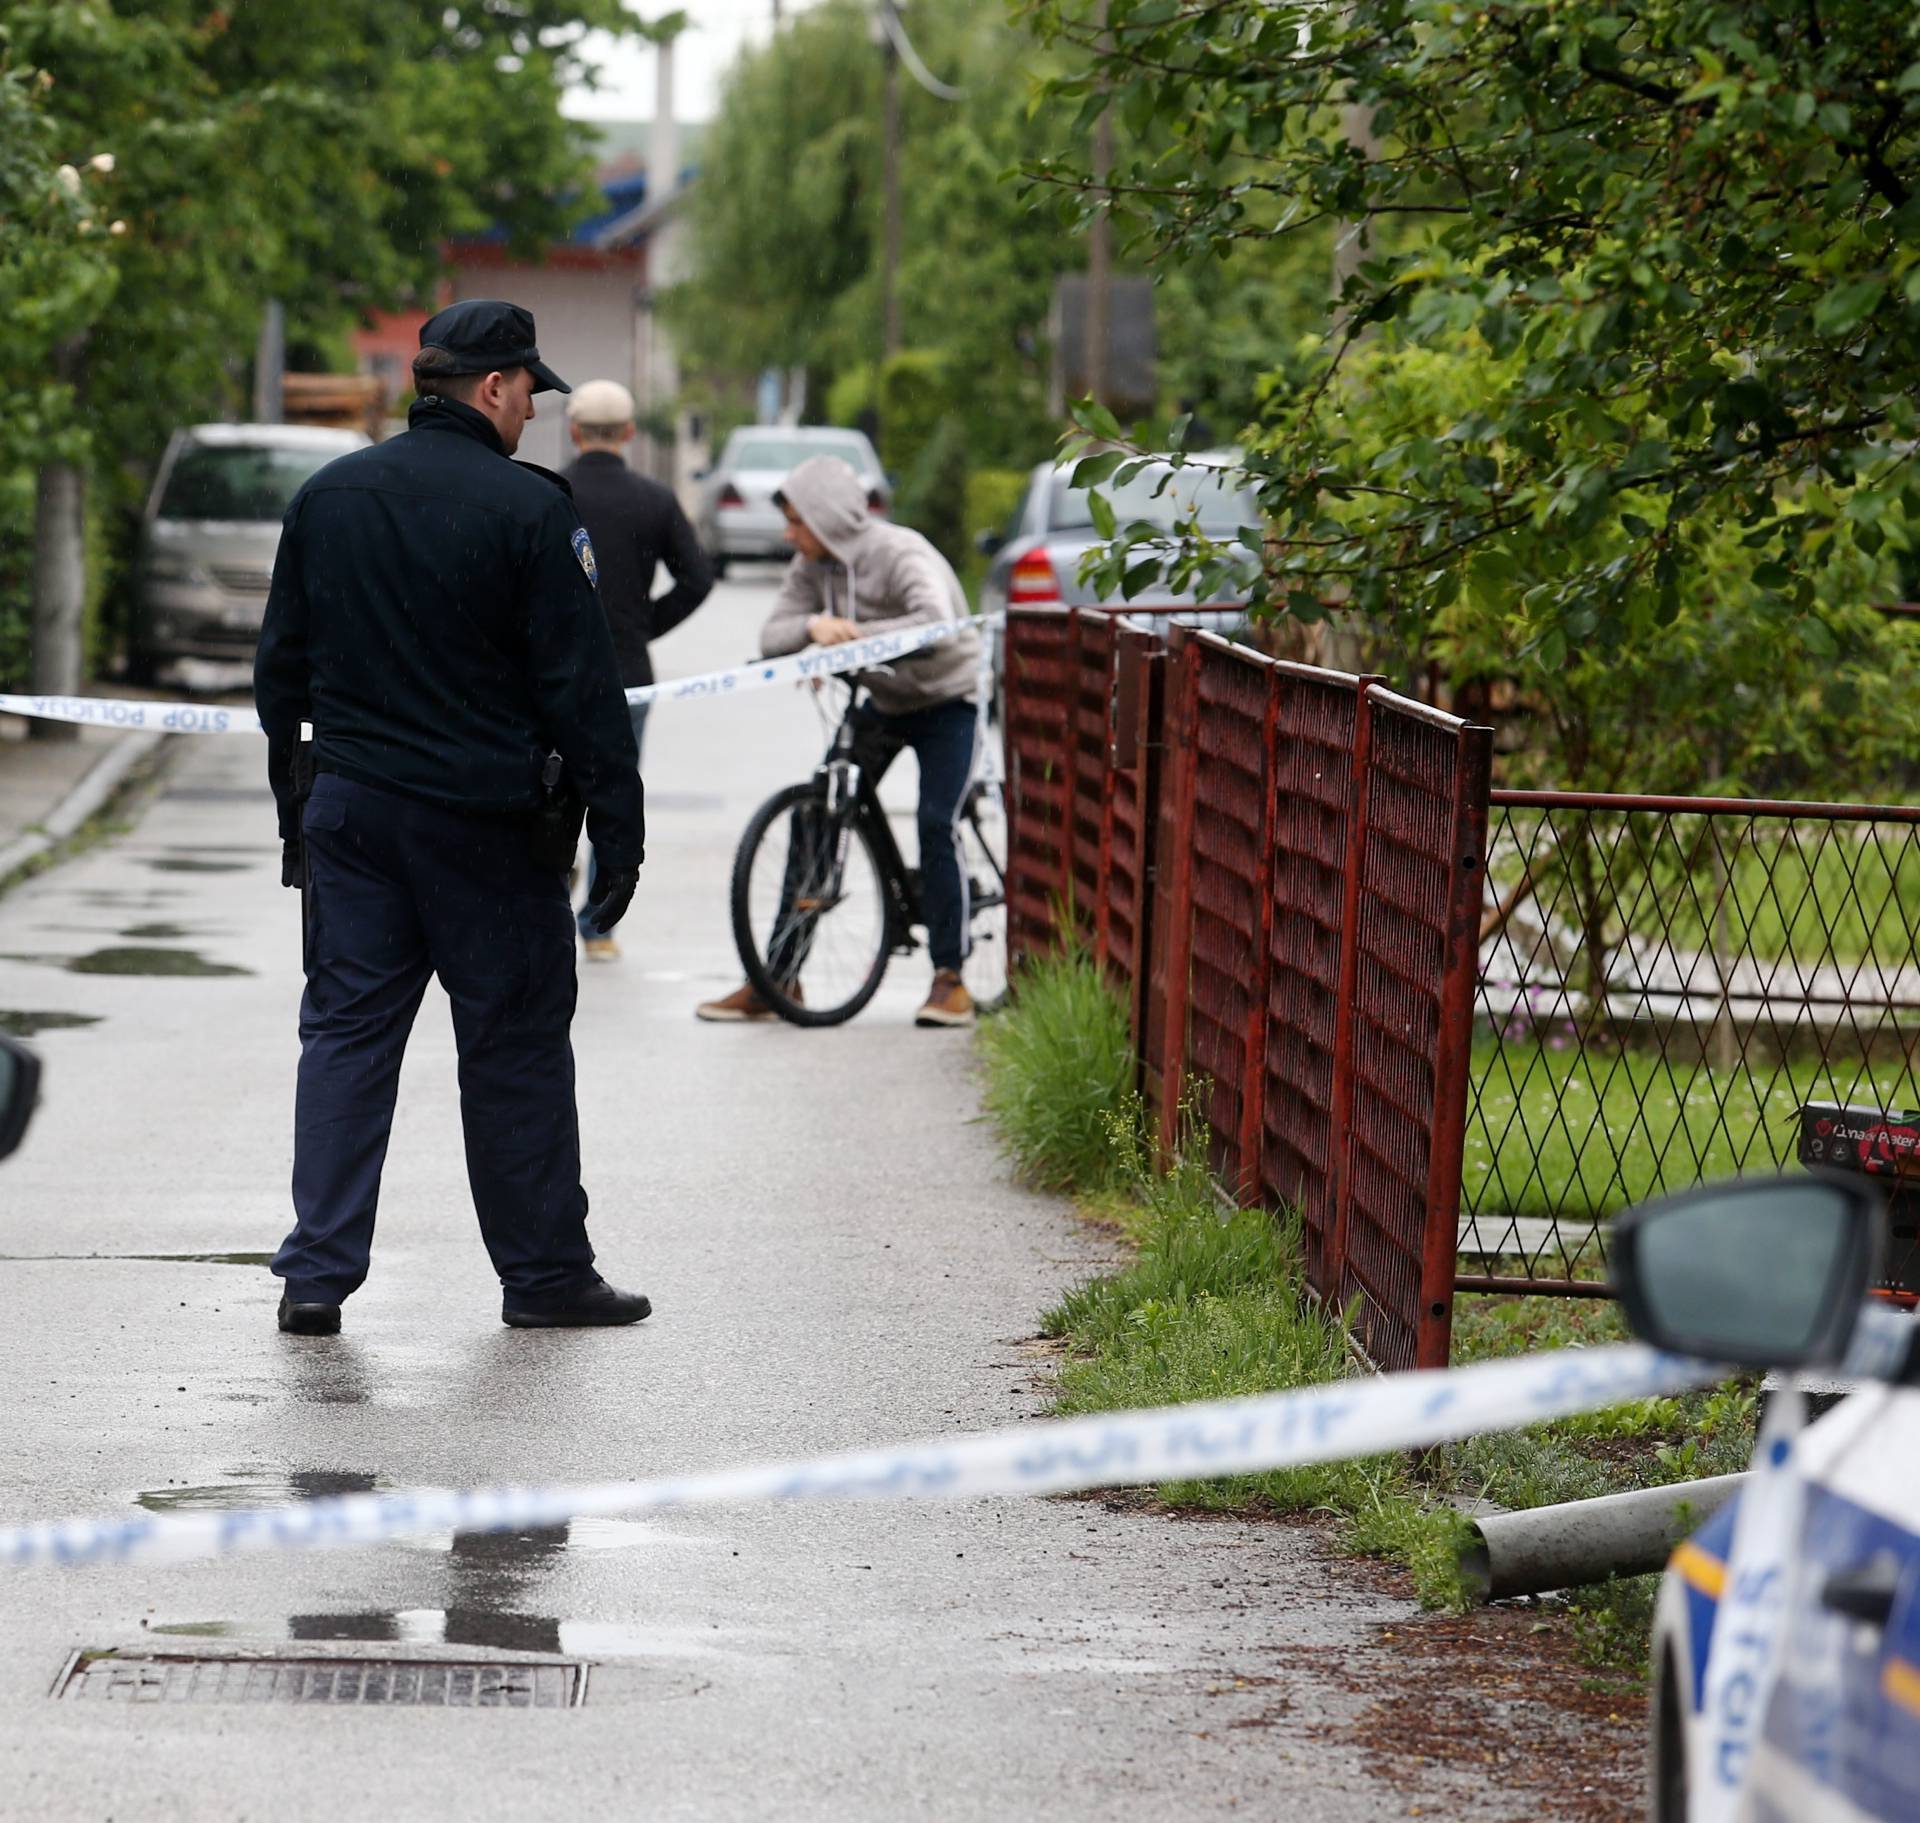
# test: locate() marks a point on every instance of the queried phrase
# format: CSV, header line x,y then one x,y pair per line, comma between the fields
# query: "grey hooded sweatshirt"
x,y
884,577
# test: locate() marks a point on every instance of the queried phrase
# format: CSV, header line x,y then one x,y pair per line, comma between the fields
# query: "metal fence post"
x,y
1473,778
1253,1073
1340,1110
1178,775
1070,775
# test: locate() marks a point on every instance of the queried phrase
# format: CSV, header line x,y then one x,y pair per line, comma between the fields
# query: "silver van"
x,y
208,538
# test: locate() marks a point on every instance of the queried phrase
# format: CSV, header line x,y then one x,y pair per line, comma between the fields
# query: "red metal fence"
x,y
1283,868
1437,1045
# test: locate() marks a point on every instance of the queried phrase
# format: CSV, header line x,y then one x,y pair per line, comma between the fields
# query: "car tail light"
x,y
1032,578
731,496
876,501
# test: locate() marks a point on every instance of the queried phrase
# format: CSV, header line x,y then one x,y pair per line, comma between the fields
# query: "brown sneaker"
x,y
948,1002
742,1004
602,949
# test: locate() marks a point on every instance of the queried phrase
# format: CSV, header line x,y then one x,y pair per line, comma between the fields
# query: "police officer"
x,y
434,617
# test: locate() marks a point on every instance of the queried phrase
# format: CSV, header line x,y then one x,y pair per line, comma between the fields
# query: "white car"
x,y
738,518
1775,1274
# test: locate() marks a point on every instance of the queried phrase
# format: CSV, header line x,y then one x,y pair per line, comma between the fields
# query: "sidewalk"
x,y
49,788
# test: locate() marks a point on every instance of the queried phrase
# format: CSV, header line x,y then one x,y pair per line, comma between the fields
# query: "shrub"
x,y
1059,1067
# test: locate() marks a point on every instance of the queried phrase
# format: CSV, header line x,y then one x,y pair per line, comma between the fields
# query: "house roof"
x,y
626,216
622,176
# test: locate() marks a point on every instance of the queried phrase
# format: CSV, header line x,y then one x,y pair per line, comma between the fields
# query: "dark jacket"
x,y
636,524
433,614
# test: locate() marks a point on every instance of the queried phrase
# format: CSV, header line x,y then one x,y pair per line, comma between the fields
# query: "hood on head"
x,y
831,498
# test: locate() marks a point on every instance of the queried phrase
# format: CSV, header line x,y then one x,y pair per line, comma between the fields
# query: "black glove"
x,y
293,863
612,894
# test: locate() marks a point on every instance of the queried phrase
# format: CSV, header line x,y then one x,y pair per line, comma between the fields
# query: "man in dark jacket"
x,y
636,525
433,616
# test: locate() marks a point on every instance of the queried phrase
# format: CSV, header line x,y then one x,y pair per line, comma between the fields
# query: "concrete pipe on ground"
x,y
1586,1541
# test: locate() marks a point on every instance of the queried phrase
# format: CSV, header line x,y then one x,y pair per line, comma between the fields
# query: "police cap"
x,y
485,334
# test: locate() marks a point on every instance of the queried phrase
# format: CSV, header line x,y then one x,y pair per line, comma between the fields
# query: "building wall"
x,y
584,309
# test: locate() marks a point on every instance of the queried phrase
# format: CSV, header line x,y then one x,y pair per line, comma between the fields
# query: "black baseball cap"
x,y
485,334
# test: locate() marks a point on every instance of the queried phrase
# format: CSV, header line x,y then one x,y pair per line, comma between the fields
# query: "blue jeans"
x,y
583,920
942,739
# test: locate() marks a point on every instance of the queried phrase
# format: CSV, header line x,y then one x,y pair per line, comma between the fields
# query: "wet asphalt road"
x,y
837,1257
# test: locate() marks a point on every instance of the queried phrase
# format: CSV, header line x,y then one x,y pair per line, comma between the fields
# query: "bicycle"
x,y
822,899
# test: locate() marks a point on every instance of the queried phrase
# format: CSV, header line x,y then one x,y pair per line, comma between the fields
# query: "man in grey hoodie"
x,y
852,576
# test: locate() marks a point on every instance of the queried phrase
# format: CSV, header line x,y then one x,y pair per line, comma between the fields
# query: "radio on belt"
x,y
1876,1143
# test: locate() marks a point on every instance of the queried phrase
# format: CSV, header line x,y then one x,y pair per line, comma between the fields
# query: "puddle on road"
x,y
25,1024
145,960
462,1627
488,1578
163,933
254,1488
189,1259
192,864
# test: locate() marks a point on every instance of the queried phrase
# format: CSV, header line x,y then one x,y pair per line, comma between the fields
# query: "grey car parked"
x,y
210,532
737,516
1036,556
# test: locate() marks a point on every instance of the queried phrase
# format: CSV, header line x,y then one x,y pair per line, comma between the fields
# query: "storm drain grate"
x,y
359,1683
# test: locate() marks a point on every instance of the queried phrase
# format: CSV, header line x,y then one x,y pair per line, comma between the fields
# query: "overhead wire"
x,y
895,28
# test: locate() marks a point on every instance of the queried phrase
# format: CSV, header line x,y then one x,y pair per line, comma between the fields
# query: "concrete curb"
x,y
97,785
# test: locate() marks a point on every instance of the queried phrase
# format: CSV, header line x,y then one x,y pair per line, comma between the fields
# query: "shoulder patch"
x,y
583,549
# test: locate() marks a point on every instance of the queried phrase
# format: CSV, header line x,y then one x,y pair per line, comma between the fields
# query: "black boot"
x,y
592,1306
309,1319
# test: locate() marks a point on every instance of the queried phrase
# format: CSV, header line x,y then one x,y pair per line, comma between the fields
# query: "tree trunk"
x,y
60,563
59,588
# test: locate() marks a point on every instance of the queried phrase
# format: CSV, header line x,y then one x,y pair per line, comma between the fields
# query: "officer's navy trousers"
x,y
400,890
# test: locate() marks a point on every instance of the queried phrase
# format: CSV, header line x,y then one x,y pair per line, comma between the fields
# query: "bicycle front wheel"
x,y
811,911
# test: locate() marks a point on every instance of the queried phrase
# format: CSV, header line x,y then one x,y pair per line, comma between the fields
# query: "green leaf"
x,y
1091,471
1096,419
1818,637
1100,510
1848,305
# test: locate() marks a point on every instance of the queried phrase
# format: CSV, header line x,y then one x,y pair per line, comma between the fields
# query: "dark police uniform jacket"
x,y
636,523
434,616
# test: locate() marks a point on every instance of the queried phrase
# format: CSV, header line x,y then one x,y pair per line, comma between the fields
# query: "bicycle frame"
x,y
841,780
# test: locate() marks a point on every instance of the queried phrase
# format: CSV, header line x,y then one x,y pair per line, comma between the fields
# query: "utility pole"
x,y
1099,320
890,177
270,365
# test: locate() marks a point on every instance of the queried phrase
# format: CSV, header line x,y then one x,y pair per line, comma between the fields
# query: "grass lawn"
x,y
1582,1134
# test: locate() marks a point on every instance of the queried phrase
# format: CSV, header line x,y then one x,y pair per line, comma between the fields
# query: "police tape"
x,y
1345,1420
816,662
133,714
870,654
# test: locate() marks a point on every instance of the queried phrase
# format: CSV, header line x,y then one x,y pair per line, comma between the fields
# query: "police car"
x,y
1777,1274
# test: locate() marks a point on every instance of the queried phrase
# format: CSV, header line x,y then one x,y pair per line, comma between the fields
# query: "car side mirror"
x,y
19,1090
989,544
1768,1272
